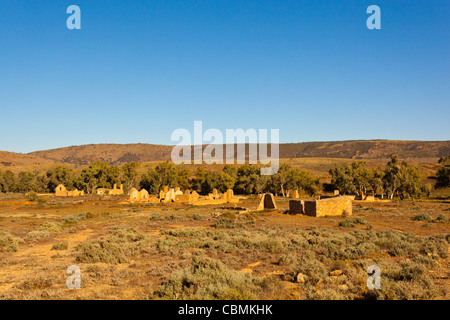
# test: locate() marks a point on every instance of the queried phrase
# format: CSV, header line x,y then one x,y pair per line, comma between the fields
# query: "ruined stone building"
x,y
332,206
267,202
113,191
61,191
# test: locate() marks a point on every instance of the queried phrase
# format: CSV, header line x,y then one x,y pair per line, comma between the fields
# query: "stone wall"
x,y
61,191
267,202
328,207
293,194
142,195
296,206
114,191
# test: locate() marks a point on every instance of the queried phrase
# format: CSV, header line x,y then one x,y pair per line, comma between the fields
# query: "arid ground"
x,y
175,251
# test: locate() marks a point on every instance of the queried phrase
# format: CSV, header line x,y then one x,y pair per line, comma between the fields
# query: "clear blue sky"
x,y
137,70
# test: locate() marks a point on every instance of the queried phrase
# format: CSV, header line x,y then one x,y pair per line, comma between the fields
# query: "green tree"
x,y
8,181
303,180
361,177
184,179
402,179
100,175
410,184
59,175
150,182
130,174
391,181
167,174
282,180
375,180
212,181
426,189
227,180
249,180
342,179
443,174
230,171
199,179
30,181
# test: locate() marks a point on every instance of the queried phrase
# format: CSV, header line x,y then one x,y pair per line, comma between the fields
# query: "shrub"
x,y
423,217
32,196
209,279
74,219
41,200
51,227
8,242
37,234
346,224
45,230
436,245
61,246
270,245
411,271
285,260
39,282
223,222
359,250
188,232
156,217
90,215
423,289
114,248
311,267
359,220
441,218
397,244
101,251
198,216
350,223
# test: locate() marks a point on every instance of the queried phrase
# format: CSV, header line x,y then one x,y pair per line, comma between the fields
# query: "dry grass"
x,y
176,251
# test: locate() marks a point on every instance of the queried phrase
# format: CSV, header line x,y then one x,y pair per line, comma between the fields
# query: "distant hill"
x,y
11,159
112,153
117,154
366,149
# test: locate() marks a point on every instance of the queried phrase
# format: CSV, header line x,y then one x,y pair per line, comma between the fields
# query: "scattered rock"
x,y
343,287
336,273
301,278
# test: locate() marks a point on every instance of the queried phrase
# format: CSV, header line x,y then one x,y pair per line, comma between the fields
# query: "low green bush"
x,y
209,279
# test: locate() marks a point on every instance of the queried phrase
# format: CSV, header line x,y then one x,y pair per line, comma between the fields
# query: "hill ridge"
x,y
116,154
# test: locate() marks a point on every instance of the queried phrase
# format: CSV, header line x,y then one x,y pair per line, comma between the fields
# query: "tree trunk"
x,y
282,190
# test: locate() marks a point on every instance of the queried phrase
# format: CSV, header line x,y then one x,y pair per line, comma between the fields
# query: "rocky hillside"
x,y
121,153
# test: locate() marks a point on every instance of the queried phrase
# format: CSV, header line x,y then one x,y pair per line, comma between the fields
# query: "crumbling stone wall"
x,y
142,195
114,191
328,207
267,202
61,191
293,194
296,206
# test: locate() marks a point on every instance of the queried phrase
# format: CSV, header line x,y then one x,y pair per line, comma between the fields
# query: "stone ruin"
x,y
187,197
114,191
267,202
296,206
141,196
365,198
138,195
334,206
61,191
292,194
167,195
217,198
